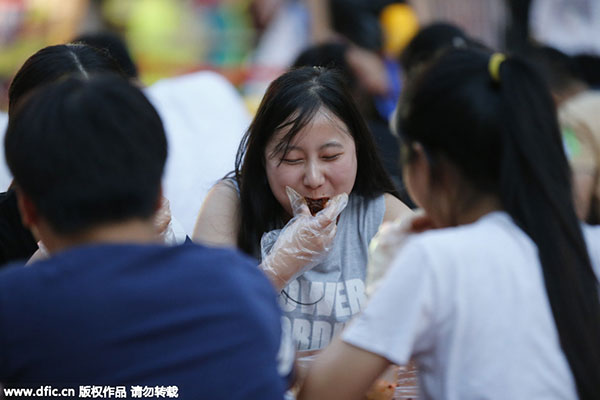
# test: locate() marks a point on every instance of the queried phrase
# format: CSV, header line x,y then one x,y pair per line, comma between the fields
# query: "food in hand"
x,y
316,205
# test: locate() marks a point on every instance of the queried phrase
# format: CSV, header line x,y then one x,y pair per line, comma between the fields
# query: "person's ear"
x,y
421,160
417,174
29,213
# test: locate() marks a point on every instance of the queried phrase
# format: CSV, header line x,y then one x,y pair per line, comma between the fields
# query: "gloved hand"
x,y
162,218
388,241
167,227
303,242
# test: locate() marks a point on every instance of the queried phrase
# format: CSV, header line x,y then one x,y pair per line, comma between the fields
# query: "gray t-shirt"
x,y
334,290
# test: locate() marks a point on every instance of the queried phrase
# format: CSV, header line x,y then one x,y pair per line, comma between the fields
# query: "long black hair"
x,y
502,134
291,101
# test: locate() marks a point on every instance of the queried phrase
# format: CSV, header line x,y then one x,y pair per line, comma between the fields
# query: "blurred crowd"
x,y
242,38
196,191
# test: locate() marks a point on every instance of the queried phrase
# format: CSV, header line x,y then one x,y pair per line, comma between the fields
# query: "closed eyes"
x,y
293,161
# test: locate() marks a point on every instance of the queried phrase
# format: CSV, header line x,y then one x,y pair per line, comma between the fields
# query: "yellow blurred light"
x,y
400,24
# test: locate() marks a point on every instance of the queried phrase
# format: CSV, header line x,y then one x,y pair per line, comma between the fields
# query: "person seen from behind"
x,y
501,301
45,66
112,305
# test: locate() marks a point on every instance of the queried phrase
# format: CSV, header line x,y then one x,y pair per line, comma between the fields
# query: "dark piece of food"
x,y
316,205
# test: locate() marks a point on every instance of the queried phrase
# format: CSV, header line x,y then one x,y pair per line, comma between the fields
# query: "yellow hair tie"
x,y
494,66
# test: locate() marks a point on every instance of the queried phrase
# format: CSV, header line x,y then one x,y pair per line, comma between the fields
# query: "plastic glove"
x,y
388,241
174,234
167,226
162,218
303,242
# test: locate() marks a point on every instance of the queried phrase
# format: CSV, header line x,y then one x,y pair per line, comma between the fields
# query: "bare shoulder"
x,y
225,187
218,220
394,208
342,371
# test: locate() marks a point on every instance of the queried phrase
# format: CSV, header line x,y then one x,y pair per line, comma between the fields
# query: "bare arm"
x,y
342,371
394,208
320,20
218,221
300,245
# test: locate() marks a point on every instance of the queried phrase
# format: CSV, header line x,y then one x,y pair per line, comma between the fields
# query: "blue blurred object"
x,y
385,105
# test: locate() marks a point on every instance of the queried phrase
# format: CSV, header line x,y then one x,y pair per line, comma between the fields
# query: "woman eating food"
x,y
307,195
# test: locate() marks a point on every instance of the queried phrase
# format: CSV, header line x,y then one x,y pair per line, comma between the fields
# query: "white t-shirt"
x,y
469,305
571,26
205,119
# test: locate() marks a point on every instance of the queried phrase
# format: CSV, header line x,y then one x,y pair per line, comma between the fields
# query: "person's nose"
x,y
313,175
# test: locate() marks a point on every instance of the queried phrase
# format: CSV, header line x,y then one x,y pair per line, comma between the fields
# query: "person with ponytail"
x,y
501,300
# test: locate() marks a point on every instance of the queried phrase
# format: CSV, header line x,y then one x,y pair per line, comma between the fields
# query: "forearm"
x,y
303,243
320,20
342,371
281,269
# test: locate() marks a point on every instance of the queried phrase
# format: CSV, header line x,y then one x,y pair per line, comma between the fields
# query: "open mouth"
x,y
316,205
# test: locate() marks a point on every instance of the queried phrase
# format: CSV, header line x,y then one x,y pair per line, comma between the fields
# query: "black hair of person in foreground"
x,y
72,200
531,177
45,66
88,155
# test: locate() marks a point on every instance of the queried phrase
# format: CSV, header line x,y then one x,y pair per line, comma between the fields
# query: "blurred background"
x,y
205,64
165,37
252,41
